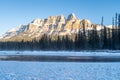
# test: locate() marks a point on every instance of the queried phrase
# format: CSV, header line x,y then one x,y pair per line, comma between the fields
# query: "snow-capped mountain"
x,y
14,31
53,25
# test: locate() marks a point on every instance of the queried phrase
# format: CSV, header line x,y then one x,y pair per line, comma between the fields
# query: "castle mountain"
x,y
52,26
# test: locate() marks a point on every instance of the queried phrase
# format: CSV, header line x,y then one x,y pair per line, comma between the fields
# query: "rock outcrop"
x,y
53,25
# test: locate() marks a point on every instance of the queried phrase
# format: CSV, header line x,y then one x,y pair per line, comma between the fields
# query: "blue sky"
x,y
16,12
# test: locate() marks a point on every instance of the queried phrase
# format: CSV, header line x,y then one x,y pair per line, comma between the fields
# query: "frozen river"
x,y
15,70
58,71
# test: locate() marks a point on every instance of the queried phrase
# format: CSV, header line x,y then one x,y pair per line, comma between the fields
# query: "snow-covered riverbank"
x,y
64,53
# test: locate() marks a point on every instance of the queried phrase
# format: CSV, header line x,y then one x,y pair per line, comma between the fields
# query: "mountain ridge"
x,y
53,25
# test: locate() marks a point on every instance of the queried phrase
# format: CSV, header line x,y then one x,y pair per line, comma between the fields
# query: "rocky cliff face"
x,y
53,25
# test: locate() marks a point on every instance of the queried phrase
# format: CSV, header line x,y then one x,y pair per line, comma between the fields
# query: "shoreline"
x,y
53,58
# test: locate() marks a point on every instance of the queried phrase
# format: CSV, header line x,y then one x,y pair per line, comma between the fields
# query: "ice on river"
x,y
58,71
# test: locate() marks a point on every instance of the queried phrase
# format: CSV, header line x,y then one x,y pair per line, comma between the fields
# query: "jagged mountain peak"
x,y
71,17
37,20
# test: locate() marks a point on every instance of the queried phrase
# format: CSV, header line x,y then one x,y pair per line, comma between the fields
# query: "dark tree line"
x,y
106,38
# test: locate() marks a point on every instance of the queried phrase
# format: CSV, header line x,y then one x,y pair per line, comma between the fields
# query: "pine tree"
x,y
116,18
118,31
101,34
105,45
119,20
113,35
102,21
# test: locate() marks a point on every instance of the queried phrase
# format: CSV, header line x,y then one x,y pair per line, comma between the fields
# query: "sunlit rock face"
x,y
86,23
72,23
68,26
53,25
76,25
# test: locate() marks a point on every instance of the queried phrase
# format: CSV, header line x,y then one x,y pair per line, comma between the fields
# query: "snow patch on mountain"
x,y
12,30
15,31
71,17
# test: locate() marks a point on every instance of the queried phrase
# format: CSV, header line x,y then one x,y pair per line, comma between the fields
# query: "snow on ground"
x,y
58,71
15,70
64,53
